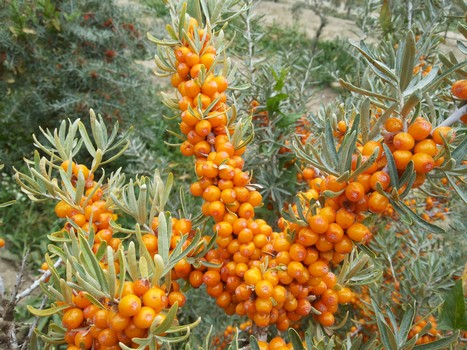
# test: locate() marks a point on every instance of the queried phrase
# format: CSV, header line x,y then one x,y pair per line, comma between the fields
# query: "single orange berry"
x,y
459,89
443,131
423,163
72,318
420,129
393,124
403,141
354,191
129,305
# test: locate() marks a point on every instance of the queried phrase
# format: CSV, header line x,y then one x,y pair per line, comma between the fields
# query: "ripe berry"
x,y
459,89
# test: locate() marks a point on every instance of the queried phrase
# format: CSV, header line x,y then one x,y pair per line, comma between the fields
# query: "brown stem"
x,y
37,282
33,325
10,308
260,333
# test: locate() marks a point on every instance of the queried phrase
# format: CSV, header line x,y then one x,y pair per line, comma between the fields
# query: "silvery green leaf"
x,y
407,65
412,101
365,92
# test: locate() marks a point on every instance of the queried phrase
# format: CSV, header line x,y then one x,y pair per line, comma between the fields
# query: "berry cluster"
x,y
105,324
91,327
93,212
272,277
418,144
432,335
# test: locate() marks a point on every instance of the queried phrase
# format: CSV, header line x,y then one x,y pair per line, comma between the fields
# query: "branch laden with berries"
x,y
111,285
367,170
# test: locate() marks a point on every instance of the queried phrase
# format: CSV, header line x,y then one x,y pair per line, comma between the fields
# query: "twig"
x,y
9,310
250,42
260,333
392,269
10,307
12,336
33,325
454,117
37,282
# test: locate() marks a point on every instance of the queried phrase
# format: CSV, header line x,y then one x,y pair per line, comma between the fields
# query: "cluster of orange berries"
x,y
276,343
418,144
180,227
268,276
432,335
92,213
260,116
221,342
361,195
422,67
90,327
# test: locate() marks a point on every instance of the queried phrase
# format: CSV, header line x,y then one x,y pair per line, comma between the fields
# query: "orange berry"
x,y
81,168
83,339
393,124
181,53
402,159
66,164
377,203
129,305
297,252
117,322
107,337
318,223
358,232
342,127
191,59
403,141
208,59
80,300
344,295
141,286
318,269
72,318
332,184
335,233
447,132
307,237
370,147
150,241
222,83
177,297
100,318
326,319
156,299
420,129
354,191
459,89
345,218
345,246
423,163
427,146
252,276
264,289
196,278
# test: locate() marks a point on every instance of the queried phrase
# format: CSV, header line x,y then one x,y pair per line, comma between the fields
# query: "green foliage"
x,y
62,58
334,60
454,313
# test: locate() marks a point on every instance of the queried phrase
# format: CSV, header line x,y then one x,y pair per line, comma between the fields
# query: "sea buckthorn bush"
x,y
363,251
